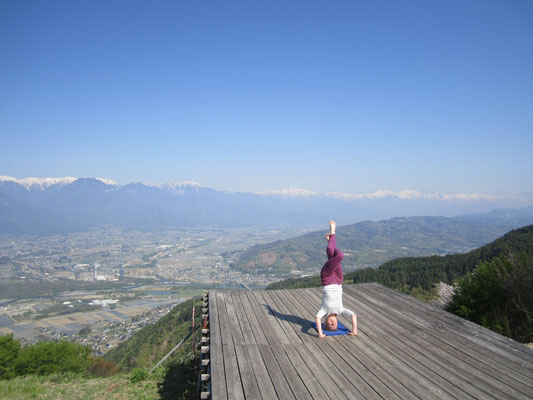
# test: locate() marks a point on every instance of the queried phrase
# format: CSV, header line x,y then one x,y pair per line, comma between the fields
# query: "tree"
x,y
45,358
499,295
9,352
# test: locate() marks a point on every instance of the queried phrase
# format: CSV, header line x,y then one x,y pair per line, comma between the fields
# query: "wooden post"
x,y
204,374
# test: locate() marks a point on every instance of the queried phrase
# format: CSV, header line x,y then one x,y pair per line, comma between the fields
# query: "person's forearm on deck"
x,y
319,328
354,325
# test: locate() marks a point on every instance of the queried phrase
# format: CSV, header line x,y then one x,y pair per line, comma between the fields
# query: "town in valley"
x,y
100,287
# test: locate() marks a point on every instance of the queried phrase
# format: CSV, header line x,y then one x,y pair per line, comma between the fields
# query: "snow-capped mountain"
x,y
291,192
39,183
46,205
45,183
409,194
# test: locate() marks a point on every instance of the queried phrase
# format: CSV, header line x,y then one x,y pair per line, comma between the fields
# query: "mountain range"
x,y
370,244
59,205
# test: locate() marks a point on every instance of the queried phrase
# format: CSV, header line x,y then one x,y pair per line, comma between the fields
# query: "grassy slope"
x,y
369,244
70,388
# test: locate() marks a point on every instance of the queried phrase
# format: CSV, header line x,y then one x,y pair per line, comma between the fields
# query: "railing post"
x,y
204,374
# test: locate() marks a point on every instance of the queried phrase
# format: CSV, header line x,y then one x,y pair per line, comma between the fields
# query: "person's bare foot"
x,y
332,227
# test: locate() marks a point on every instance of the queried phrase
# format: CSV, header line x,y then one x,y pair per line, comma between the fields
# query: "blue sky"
x,y
249,96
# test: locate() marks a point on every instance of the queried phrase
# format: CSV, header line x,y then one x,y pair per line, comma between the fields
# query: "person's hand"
x,y
321,335
328,236
351,333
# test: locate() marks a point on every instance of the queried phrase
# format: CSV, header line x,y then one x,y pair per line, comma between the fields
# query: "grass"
x,y
68,387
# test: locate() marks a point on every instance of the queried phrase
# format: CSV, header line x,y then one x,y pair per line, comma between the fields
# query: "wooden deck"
x,y
262,346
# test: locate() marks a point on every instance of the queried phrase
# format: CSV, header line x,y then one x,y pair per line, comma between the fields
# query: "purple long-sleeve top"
x,y
331,273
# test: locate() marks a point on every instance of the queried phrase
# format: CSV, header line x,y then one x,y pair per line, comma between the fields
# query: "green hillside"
x,y
408,273
146,347
370,244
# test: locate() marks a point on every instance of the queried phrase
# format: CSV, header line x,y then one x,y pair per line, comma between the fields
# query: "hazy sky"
x,y
346,96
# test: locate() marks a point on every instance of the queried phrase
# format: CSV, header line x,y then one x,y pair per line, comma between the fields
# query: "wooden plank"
x,y
404,350
386,327
431,346
356,370
406,381
255,324
281,385
384,384
298,326
504,353
234,320
270,320
491,364
242,319
225,332
315,367
218,376
489,336
417,356
231,369
281,319
494,342
248,378
421,381
297,386
345,380
262,376
301,367
305,369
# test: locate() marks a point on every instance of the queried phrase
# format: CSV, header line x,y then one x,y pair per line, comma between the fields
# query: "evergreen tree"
x,y
9,352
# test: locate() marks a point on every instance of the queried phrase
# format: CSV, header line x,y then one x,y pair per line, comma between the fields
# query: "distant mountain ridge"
x,y
370,244
411,273
59,205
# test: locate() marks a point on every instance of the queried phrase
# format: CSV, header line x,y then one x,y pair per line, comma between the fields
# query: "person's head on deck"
x,y
331,322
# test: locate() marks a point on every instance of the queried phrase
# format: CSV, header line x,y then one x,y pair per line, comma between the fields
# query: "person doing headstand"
x,y
331,276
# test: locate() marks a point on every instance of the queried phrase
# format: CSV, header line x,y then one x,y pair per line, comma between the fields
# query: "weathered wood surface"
x,y
262,346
